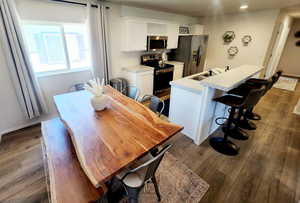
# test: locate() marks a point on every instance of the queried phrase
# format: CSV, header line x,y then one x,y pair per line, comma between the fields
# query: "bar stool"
x,y
223,144
256,83
243,90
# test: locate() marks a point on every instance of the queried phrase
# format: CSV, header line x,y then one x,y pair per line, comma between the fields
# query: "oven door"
x,y
157,43
162,79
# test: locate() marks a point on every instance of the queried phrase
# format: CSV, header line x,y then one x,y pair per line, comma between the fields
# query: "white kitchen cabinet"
x,y
134,35
178,69
141,77
157,29
178,72
144,81
172,33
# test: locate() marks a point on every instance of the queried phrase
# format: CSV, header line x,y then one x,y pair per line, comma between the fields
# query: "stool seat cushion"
x,y
244,88
257,81
241,90
229,100
135,179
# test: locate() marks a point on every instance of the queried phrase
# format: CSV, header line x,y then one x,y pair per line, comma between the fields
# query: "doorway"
x,y
280,41
289,60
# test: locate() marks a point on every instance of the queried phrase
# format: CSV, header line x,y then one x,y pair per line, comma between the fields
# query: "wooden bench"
x,y
67,181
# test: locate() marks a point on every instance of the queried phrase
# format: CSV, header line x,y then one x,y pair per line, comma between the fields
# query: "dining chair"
x,y
132,91
134,179
156,104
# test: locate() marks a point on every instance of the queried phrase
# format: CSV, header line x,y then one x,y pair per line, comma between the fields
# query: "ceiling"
x,y
207,7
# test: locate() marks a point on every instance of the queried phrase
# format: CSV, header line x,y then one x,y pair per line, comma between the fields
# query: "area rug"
x,y
286,83
177,183
297,108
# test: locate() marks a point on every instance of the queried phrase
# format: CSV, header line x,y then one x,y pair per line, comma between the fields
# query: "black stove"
x,y
163,73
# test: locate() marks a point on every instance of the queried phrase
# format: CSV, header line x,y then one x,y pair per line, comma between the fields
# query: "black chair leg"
x,y
236,132
156,188
133,194
223,144
252,116
247,124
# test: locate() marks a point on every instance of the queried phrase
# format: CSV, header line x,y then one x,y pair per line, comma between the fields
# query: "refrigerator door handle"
x,y
198,56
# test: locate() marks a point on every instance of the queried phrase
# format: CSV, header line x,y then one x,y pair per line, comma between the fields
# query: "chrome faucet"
x,y
227,68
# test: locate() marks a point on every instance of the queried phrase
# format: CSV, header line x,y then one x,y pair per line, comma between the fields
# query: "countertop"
x,y
232,78
142,68
138,69
224,81
175,63
188,84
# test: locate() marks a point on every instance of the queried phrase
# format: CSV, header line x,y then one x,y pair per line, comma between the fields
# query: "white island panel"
x,y
185,109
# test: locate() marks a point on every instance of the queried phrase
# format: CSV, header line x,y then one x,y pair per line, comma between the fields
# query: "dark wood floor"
x,y
21,167
266,170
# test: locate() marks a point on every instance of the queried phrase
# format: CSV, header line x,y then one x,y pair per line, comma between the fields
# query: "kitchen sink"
x,y
202,76
199,77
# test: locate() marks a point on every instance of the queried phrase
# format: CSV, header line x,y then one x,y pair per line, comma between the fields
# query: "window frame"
x,y
62,30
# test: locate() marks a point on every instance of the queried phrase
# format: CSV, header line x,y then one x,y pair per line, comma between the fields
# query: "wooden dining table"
x,y
107,141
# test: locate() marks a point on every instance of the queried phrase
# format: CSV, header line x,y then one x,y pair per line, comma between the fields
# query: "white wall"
x,y
257,24
123,59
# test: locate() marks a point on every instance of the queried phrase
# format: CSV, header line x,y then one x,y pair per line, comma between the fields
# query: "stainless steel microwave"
x,y
155,43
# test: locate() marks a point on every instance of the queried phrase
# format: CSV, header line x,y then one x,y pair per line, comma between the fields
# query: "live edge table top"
x,y
107,141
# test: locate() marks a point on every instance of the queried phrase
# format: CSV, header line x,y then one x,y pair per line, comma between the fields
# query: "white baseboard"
x,y
35,122
291,75
18,128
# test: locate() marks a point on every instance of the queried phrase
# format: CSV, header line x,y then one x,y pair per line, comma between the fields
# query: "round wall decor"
x,y
228,36
246,40
232,51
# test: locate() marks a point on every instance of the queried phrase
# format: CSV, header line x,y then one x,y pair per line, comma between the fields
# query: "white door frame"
x,y
281,39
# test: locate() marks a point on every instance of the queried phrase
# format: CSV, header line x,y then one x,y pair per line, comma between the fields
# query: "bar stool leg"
x,y
252,116
222,144
246,124
236,132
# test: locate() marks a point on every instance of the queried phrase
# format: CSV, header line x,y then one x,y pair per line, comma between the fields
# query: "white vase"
x,y
99,102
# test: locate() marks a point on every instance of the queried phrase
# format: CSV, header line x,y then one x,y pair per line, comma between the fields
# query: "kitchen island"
x,y
191,100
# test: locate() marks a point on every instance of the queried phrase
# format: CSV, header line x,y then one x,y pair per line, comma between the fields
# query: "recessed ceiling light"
x,y
243,7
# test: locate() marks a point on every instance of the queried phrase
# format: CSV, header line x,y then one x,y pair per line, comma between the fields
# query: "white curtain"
x,y
22,74
99,39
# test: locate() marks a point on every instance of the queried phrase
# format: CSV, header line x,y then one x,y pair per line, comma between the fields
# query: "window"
x,y
57,47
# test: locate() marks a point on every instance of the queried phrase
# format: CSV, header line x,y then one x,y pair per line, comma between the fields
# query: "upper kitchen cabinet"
x,y
134,35
157,29
136,30
172,33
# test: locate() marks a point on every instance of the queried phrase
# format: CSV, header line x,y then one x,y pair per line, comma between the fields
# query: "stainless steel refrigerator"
x,y
192,51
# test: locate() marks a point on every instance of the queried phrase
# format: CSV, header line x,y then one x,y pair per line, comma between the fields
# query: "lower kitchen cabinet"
x,y
141,77
178,69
